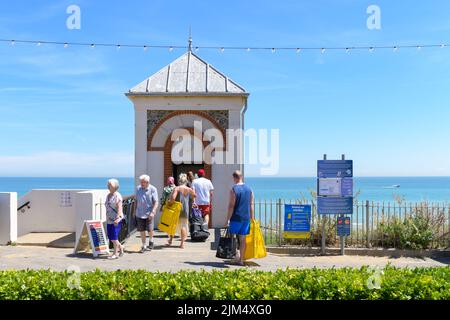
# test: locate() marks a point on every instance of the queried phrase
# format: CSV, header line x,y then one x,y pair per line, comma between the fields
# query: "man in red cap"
x,y
204,190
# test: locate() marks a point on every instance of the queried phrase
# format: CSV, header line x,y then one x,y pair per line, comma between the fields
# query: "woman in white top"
x,y
114,215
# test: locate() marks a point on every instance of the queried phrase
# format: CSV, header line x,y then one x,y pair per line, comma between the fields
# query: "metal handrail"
x,y
26,204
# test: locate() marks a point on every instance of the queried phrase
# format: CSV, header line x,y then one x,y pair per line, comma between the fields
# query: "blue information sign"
x,y
297,221
335,169
335,186
334,205
343,226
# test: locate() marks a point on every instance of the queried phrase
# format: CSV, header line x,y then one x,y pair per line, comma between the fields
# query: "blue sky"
x,y
63,112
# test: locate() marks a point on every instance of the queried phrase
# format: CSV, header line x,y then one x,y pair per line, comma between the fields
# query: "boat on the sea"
x,y
395,186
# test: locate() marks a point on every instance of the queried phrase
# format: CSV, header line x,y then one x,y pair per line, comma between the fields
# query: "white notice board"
x,y
330,187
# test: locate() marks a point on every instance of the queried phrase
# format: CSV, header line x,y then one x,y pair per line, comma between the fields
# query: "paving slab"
x,y
195,256
52,239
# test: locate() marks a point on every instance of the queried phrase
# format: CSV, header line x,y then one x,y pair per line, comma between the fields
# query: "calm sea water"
x,y
374,189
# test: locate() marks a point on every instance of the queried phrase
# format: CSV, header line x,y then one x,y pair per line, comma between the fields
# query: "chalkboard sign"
x,y
92,237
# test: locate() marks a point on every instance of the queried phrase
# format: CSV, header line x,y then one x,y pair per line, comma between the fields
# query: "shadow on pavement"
x,y
444,260
209,264
85,255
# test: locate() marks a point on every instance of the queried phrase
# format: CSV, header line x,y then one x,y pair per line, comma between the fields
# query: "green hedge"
x,y
419,283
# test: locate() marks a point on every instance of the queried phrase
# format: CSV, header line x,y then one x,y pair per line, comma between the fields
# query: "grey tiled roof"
x,y
188,74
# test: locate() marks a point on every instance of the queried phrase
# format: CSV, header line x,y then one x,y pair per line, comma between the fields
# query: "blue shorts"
x,y
113,230
239,227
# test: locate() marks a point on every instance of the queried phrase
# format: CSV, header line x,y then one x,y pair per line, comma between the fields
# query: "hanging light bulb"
x,y
196,49
322,50
298,50
347,50
371,49
395,49
248,49
118,46
222,49
273,50
170,49
13,42
442,46
92,45
419,47
145,48
38,44
66,45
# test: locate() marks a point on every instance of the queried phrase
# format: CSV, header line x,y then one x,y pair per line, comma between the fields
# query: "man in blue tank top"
x,y
240,212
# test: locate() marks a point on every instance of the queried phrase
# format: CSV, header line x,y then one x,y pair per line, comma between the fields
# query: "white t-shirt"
x,y
202,187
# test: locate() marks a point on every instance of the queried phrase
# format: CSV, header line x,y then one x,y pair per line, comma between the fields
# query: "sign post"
x,y
324,234
334,192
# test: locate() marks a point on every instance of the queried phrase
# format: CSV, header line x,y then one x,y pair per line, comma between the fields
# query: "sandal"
x,y
113,257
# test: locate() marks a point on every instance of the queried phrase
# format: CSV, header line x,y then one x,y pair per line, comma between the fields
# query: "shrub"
x,y
417,230
298,284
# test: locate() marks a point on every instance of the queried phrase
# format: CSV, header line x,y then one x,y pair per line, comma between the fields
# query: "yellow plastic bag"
x,y
169,218
255,247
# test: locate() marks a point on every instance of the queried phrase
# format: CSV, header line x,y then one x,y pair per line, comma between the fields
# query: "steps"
x,y
48,239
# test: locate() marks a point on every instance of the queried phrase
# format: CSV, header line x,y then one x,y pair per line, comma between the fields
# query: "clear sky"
x,y
63,112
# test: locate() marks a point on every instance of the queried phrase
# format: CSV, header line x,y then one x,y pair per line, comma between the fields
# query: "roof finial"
x,y
190,40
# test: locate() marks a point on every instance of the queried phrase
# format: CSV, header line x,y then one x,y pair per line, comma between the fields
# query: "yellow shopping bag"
x,y
255,247
169,218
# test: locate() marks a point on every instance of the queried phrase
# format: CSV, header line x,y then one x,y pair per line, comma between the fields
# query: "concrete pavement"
x,y
195,256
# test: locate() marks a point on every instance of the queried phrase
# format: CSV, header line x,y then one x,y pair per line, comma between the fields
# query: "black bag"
x,y
227,246
199,232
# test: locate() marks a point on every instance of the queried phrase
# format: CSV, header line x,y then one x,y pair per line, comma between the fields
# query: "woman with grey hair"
x,y
114,215
186,196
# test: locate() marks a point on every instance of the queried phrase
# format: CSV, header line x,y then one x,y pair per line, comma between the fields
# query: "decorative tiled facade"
x,y
154,117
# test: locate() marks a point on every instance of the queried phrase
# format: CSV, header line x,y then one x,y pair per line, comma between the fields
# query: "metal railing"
x,y
373,224
25,205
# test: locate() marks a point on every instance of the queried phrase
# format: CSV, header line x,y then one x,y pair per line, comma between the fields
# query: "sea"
x,y
388,189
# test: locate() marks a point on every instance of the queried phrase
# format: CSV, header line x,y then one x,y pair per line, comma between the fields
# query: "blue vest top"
x,y
241,210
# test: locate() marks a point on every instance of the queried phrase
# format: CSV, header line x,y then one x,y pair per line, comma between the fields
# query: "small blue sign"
x,y
343,226
297,218
335,205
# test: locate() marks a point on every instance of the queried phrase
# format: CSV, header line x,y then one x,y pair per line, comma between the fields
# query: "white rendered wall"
x,y
89,205
46,213
156,172
152,163
140,140
8,217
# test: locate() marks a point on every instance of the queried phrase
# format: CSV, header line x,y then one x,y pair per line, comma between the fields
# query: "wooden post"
x,y
367,224
280,227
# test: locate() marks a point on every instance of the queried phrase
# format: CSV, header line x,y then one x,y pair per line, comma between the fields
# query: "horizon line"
x,y
257,177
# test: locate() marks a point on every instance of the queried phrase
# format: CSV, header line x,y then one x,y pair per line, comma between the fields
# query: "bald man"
x,y
240,211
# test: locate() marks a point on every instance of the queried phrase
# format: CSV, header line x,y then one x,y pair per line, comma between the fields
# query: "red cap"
x,y
201,172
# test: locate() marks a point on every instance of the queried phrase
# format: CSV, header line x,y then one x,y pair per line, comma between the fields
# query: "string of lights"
x,y
347,49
